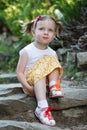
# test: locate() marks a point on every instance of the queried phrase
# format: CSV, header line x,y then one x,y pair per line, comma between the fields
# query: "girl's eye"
x,y
51,30
41,28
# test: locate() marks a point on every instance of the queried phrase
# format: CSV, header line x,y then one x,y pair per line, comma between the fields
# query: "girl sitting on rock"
x,y
38,65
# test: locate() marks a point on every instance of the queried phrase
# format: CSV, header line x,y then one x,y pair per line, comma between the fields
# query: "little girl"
x,y
38,65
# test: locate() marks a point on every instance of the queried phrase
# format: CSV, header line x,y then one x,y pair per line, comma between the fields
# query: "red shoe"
x,y
45,116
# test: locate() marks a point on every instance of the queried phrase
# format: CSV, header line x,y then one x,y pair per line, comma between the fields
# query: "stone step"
x,y
20,125
8,78
13,100
23,125
15,105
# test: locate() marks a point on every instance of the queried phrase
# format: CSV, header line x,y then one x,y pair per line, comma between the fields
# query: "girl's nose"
x,y
46,31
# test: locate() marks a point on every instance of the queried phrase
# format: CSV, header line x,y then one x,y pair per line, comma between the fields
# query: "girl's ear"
x,y
33,32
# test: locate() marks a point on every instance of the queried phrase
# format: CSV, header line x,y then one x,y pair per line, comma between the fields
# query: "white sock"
x,y
42,103
51,83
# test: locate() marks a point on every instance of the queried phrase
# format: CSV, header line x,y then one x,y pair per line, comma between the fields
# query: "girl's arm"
x,y
20,71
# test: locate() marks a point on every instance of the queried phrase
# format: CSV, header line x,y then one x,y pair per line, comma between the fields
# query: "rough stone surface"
x,y
17,109
82,59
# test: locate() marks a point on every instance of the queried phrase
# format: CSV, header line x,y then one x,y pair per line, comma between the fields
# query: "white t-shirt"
x,y
34,54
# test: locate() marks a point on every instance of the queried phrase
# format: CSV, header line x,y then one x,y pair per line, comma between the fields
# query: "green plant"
x,y
15,13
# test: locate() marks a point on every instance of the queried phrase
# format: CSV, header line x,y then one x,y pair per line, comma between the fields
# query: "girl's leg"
x,y
40,89
42,104
55,90
40,93
54,75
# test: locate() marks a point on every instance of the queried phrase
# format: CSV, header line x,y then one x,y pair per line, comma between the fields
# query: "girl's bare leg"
x,y
40,89
53,77
42,104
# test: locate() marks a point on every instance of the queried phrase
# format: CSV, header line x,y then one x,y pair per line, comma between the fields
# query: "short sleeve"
x,y
22,51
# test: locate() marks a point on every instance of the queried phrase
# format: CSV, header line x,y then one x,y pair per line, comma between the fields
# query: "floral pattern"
x,y
42,68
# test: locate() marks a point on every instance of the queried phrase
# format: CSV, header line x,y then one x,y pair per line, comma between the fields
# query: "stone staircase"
x,y
17,109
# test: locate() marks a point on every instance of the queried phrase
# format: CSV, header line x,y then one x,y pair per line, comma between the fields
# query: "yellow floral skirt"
x,y
42,68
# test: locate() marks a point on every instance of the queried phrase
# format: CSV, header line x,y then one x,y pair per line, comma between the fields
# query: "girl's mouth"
x,y
45,37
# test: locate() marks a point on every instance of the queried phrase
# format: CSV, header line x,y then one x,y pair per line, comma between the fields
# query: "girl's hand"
x,y
29,90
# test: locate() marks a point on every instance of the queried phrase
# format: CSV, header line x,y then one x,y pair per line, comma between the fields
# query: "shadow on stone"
x,y
11,128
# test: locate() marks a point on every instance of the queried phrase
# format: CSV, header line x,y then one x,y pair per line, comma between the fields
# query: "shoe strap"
x,y
56,86
50,109
47,112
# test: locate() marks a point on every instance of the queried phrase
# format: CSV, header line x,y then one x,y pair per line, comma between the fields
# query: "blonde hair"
x,y
26,28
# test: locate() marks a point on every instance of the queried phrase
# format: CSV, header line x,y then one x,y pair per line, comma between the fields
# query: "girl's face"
x,y
44,32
